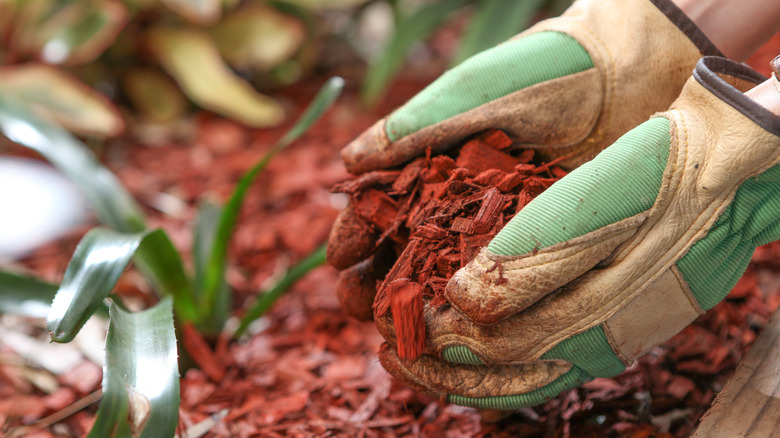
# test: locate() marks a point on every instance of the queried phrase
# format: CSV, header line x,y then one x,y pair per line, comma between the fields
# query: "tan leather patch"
x,y
440,378
665,308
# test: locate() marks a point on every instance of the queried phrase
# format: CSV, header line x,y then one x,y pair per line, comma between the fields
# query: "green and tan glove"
x,y
568,86
616,257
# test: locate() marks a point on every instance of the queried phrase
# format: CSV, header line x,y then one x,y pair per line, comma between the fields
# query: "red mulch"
x,y
308,370
439,212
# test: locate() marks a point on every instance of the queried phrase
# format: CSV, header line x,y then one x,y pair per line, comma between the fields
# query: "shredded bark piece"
x,y
406,302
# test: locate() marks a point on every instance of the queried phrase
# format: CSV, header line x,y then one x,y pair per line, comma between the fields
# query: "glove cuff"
x,y
643,63
727,80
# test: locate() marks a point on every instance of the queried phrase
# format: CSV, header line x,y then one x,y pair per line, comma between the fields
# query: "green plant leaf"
x,y
57,96
205,232
154,94
265,300
29,296
258,37
203,12
140,375
328,4
215,268
191,57
66,32
22,295
110,200
162,265
203,239
418,26
80,32
100,258
495,21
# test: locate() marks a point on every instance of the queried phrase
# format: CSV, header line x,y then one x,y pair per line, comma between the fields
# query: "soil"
x,y
309,370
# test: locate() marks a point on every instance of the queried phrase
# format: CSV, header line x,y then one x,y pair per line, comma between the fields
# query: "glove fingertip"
x,y
351,239
368,151
394,365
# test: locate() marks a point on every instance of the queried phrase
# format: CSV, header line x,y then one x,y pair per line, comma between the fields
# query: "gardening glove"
x,y
613,259
568,86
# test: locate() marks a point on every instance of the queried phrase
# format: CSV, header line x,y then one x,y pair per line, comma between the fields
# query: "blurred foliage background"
x,y
71,61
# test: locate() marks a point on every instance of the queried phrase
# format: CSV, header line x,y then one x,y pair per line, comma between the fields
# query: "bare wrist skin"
x,y
736,27
767,93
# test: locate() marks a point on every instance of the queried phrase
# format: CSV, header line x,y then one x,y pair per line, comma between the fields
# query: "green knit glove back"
x,y
715,263
490,75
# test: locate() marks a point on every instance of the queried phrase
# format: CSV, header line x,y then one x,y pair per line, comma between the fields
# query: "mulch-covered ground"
x,y
309,370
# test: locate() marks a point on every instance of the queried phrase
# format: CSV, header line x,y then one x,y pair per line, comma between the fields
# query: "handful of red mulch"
x,y
438,212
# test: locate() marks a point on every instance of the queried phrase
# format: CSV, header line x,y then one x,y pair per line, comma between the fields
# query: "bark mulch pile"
x,y
440,211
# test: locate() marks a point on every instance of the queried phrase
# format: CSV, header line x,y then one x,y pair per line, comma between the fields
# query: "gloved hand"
x,y
568,86
614,258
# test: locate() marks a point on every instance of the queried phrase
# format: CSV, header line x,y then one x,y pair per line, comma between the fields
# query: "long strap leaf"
x,y
111,201
140,375
215,267
495,21
409,30
203,243
26,296
99,260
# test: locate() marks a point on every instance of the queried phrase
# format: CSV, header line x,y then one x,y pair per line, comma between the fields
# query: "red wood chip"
x,y
478,156
407,306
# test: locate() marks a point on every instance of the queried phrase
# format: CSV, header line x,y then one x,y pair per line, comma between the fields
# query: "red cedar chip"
x,y
558,172
407,306
430,232
526,156
525,169
402,268
408,177
497,139
461,225
490,177
477,156
447,264
201,353
441,166
509,182
488,213
366,181
377,207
